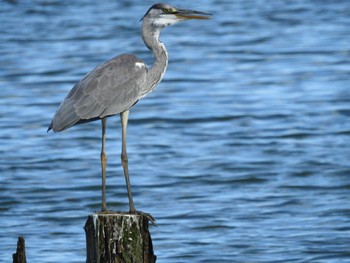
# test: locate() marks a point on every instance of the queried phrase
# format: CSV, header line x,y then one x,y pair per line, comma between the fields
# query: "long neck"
x,y
150,36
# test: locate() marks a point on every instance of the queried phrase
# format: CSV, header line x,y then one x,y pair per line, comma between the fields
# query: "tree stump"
x,y
20,255
118,237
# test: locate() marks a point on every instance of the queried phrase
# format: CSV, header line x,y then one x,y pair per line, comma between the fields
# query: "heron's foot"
x,y
106,211
147,215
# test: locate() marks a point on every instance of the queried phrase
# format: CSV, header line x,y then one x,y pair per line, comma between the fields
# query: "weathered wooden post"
x,y
20,255
118,237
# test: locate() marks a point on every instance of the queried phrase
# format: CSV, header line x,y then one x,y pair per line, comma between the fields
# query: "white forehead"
x,y
158,9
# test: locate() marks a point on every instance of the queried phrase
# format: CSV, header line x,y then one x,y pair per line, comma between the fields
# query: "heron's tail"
x,y
50,127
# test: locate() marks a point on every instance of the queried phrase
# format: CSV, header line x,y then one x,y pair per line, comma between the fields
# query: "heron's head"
x,y
161,15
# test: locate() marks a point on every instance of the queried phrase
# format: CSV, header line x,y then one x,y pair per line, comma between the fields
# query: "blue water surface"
x,y
241,153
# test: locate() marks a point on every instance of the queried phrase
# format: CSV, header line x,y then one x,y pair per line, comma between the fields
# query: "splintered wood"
x,y
118,237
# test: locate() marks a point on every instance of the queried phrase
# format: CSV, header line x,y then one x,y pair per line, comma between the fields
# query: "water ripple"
x,y
245,140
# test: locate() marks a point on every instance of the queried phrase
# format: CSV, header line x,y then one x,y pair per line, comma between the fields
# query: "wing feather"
x,y
109,89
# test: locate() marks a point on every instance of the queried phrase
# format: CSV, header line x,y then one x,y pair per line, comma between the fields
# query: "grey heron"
x,y
118,84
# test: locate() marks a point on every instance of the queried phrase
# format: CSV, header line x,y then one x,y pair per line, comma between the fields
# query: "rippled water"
x,y
241,153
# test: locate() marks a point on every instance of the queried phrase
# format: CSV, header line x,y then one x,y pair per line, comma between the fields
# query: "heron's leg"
x,y
103,164
124,156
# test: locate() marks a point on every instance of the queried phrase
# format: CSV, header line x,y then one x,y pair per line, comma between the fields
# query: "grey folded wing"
x,y
109,89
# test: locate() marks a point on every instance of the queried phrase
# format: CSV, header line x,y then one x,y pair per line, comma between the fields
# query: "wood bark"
x,y
20,255
118,237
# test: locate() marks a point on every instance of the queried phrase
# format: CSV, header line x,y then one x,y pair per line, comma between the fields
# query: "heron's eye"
x,y
166,10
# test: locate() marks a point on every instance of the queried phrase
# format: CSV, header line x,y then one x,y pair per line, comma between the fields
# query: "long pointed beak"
x,y
191,14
